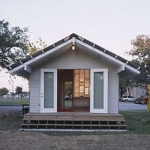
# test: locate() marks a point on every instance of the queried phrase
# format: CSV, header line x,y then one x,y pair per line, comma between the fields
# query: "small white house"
x,y
74,75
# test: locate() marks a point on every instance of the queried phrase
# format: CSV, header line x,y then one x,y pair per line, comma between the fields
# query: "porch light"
x,y
73,43
73,47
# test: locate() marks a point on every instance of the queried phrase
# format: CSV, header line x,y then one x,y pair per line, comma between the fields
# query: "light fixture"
x,y
73,43
73,47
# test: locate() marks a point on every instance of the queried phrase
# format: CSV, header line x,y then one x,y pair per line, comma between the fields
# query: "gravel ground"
x,y
17,140
12,139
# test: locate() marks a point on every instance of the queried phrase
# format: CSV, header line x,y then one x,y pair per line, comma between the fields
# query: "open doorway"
x,y
65,90
74,90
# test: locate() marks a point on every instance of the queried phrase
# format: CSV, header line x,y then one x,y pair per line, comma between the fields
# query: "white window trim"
x,y
42,109
105,109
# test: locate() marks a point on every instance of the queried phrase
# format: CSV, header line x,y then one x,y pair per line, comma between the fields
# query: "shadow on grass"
x,y
10,120
138,122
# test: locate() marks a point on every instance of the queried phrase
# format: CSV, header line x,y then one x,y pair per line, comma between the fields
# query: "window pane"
x,y
81,75
82,83
87,73
98,90
48,90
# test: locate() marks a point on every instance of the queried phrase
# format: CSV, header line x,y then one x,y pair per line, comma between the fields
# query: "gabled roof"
x,y
25,65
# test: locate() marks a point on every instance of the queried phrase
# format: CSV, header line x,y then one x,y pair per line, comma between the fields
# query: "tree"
x,y
19,90
125,84
40,44
13,43
141,56
3,91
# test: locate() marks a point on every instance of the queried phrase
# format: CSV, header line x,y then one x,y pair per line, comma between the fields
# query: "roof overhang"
x,y
121,65
25,68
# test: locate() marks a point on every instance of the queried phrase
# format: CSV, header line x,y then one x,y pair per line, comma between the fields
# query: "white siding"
x,y
35,91
75,60
113,93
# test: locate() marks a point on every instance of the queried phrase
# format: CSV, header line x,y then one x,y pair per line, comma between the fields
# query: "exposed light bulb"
x,y
73,47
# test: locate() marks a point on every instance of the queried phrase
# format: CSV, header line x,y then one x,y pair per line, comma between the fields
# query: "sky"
x,y
111,24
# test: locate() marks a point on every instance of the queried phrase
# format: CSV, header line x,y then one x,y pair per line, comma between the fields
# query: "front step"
x,y
73,121
74,126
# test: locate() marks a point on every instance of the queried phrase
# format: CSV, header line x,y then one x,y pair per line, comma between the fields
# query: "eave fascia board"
x,y
100,52
14,71
28,63
113,59
28,69
133,70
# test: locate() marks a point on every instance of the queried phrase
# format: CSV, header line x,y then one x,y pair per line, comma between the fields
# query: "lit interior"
x,y
82,83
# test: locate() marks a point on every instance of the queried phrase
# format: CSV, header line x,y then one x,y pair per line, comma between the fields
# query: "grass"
x,y
10,120
12,102
138,122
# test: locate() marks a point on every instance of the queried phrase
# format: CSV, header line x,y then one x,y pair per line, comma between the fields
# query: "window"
x,y
82,83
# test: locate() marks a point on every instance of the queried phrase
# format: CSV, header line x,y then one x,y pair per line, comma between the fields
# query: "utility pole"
x,y
12,84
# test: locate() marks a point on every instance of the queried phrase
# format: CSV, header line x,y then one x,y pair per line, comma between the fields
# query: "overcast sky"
x,y
111,24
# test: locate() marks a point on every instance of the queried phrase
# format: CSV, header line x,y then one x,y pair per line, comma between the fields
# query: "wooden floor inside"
x,y
73,120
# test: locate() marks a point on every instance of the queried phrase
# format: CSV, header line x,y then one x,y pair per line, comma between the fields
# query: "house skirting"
x,y
73,121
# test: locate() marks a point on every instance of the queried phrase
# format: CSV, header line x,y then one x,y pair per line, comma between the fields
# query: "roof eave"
x,y
26,65
75,39
112,59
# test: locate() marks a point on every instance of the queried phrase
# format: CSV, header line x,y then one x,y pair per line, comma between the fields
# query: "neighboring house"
x,y
73,75
136,92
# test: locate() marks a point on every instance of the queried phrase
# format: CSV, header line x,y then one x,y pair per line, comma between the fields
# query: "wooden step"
x,y
73,121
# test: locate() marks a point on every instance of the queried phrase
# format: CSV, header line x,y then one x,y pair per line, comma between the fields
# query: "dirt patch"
x,y
11,138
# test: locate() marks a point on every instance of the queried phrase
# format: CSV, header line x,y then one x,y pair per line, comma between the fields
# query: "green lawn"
x,y
13,102
138,122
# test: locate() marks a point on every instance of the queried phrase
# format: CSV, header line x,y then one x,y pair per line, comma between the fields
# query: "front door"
x,y
48,90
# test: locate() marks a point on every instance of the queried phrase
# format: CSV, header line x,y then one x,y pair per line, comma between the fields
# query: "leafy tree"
x,y
125,84
33,48
19,90
13,43
141,56
3,91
